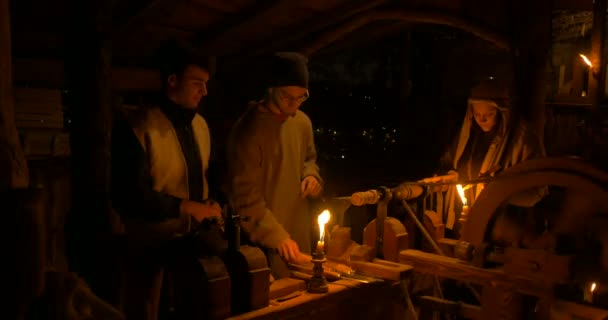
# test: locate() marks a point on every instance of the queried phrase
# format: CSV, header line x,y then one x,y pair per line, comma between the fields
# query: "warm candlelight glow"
x,y
322,220
460,190
586,60
588,294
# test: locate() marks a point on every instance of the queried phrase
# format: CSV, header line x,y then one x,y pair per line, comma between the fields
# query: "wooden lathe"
x,y
550,263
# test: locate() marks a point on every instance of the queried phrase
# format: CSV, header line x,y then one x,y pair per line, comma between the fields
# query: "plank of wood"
x,y
51,73
383,269
285,286
341,302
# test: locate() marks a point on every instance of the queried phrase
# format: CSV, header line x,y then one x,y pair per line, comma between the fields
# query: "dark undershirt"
x,y
182,122
475,152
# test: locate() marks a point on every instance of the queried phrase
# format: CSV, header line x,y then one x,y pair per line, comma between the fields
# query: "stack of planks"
x,y
39,119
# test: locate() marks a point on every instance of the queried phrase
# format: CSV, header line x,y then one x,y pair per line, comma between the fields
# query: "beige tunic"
x,y
267,160
167,167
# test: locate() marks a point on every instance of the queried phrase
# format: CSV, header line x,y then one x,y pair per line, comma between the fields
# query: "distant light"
x,y
586,60
491,77
342,156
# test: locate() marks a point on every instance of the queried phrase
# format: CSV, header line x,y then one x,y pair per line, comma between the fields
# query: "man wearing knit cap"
x,y
272,160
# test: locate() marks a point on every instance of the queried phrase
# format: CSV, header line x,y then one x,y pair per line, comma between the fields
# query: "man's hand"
x,y
289,250
310,187
200,211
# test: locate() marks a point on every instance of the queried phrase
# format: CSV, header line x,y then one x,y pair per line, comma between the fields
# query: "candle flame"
x,y
586,60
322,220
593,285
460,190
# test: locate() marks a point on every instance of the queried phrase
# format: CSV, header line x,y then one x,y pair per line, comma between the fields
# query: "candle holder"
x,y
318,283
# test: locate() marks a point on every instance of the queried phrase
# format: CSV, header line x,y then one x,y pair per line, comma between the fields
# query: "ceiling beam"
x,y
367,36
136,16
222,36
411,16
50,73
318,23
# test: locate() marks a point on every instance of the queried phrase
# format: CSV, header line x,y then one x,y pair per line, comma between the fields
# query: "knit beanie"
x,y
286,69
490,89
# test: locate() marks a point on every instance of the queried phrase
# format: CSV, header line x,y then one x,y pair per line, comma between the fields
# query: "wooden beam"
x,y
530,24
223,38
318,23
366,37
413,16
136,17
597,78
14,172
51,73
88,77
457,269
217,37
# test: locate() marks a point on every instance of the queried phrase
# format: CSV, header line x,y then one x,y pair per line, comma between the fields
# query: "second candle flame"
x,y
460,190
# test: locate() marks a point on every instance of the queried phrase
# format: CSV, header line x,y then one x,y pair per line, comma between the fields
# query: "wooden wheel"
x,y
574,176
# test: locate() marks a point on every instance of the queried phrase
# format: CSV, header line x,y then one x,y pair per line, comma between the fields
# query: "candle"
x,y
588,294
320,246
322,220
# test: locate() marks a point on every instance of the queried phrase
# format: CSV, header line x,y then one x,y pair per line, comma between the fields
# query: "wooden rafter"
x,y
366,37
213,41
139,15
413,16
318,23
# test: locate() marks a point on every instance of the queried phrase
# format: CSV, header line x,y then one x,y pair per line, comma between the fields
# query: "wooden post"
x,y
597,78
88,75
13,167
531,27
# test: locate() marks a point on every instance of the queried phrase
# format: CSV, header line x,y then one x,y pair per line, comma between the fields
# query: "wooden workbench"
x,y
346,299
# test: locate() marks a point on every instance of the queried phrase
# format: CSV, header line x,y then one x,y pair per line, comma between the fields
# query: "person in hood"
x,y
271,156
489,141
